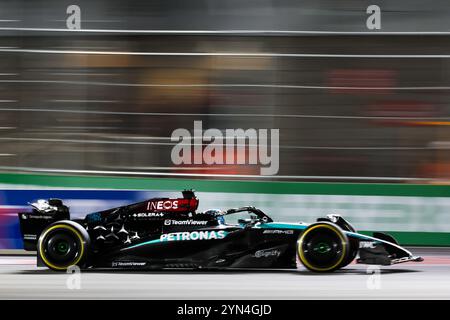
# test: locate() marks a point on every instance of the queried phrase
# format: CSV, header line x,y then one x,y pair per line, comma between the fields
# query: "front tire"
x,y
323,247
353,252
63,244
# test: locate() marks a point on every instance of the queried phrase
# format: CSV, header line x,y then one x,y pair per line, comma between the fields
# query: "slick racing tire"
x,y
323,247
63,244
354,247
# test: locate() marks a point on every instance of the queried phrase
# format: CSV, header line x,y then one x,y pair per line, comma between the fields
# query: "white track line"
x,y
168,114
219,85
230,31
133,173
231,54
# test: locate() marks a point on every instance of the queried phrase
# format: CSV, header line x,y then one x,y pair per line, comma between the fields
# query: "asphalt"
x,y
21,279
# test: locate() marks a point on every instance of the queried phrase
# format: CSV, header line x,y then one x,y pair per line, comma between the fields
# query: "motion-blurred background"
x,y
351,104
384,116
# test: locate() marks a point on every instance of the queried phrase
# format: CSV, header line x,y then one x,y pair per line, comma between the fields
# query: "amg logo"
x,y
189,222
162,205
279,231
367,244
195,235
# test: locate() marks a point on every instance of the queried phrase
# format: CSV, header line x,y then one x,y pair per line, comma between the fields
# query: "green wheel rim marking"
x,y
322,247
62,247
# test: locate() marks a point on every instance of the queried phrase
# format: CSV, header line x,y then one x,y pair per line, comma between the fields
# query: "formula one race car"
x,y
169,233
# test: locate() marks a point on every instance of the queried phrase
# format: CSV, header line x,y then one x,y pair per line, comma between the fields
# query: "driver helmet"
x,y
216,213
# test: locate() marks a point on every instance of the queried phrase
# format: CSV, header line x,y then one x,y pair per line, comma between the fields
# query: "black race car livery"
x,y
164,233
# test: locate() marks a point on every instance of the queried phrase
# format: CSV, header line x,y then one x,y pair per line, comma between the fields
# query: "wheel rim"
x,y
61,247
322,249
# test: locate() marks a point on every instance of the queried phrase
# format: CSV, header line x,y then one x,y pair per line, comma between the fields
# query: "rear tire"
x,y
323,247
63,244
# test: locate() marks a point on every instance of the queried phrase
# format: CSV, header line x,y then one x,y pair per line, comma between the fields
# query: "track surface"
x,y
21,279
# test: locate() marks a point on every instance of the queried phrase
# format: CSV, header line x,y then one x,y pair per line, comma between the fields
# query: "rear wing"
x,y
44,213
187,204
